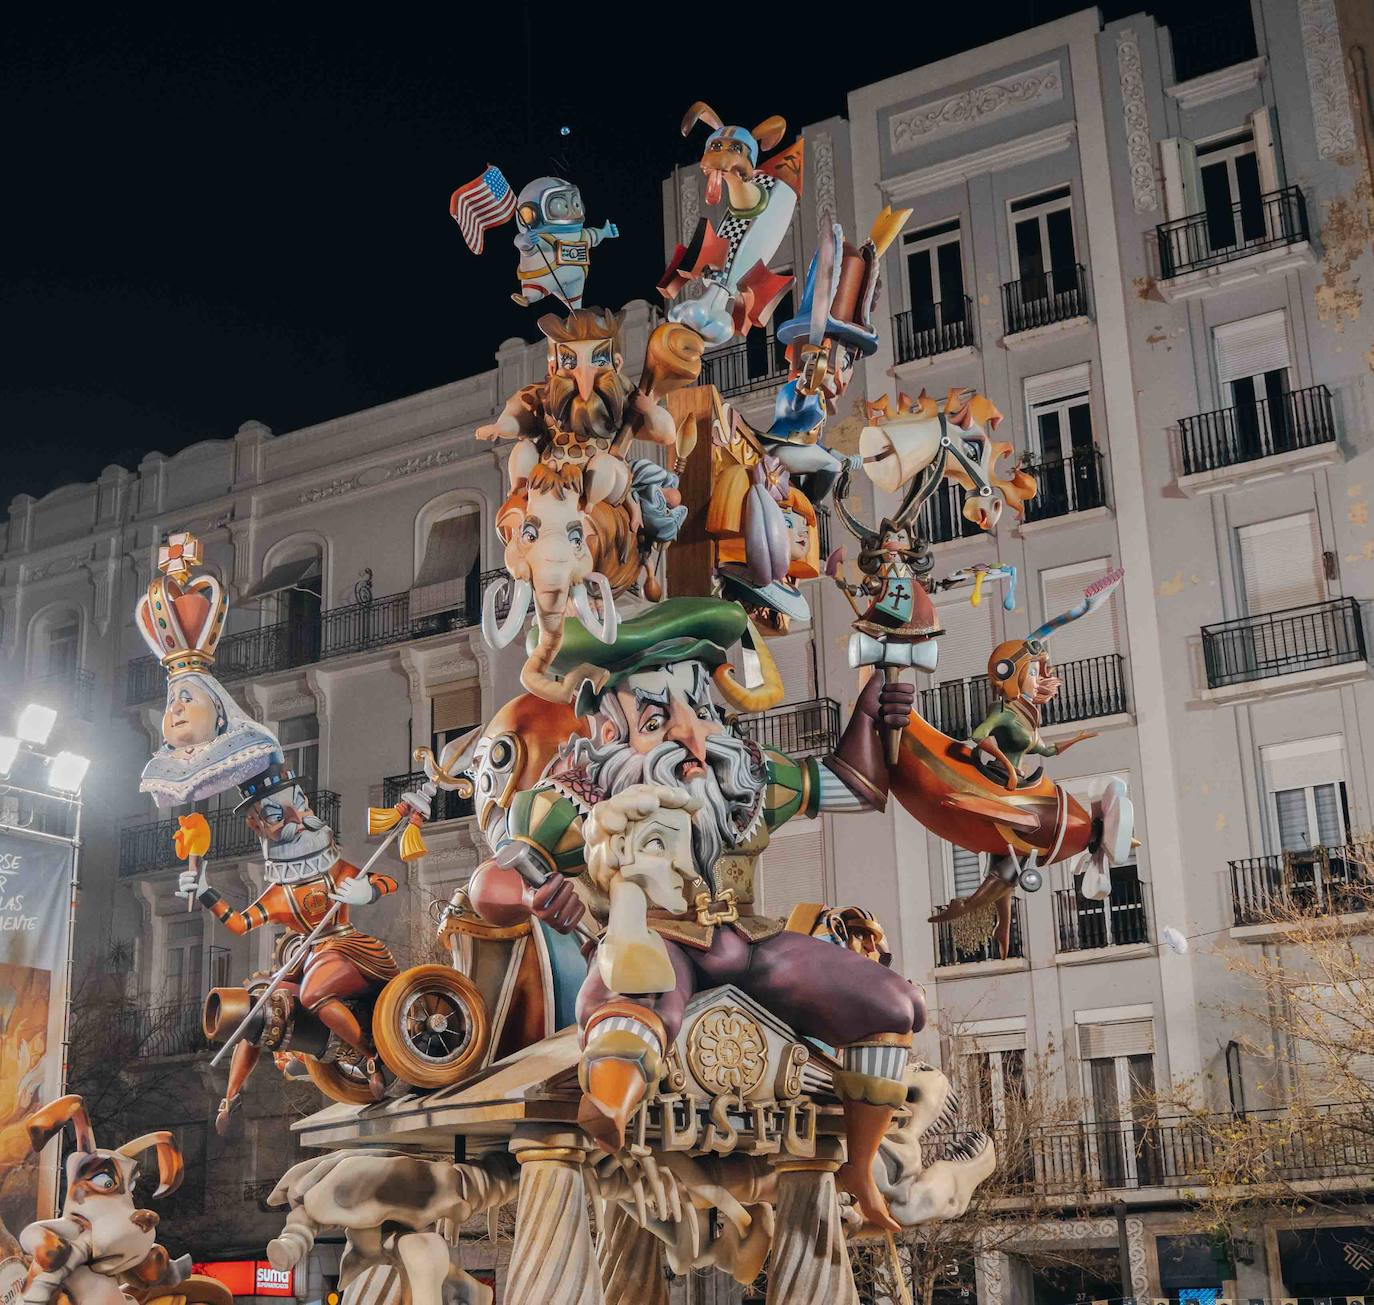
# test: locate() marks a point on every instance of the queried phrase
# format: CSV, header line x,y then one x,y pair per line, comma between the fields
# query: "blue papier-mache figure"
x,y
555,244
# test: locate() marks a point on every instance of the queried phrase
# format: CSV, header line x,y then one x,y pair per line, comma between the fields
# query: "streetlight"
x,y
48,782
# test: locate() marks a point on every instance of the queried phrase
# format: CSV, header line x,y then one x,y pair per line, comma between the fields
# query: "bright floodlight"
x,y
9,750
66,771
36,722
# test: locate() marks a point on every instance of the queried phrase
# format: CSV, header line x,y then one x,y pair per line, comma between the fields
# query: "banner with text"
x,y
35,901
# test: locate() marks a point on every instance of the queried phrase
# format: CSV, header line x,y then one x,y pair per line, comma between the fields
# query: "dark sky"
x,y
205,224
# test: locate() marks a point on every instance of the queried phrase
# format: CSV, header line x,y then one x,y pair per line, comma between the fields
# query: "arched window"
x,y
290,595
448,557
54,660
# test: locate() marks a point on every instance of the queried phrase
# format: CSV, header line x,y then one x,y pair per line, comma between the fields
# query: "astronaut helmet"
x,y
549,202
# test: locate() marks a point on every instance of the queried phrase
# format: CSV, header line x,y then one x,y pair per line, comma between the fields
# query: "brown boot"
x,y
618,1065
864,1126
614,1088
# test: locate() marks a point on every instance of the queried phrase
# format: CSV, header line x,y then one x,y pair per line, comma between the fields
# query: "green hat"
x,y
676,630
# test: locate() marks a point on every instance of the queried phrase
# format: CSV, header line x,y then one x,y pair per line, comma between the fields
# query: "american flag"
x,y
485,202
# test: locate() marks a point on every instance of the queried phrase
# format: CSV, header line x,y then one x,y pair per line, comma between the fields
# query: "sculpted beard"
x,y
731,789
599,417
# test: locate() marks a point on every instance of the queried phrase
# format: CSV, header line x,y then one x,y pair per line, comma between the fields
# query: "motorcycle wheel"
x,y
430,1026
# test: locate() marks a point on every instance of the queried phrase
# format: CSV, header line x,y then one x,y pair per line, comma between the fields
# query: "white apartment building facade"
x,y
1154,270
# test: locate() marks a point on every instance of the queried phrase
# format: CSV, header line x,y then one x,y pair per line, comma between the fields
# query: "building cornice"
x,y
1218,85
995,158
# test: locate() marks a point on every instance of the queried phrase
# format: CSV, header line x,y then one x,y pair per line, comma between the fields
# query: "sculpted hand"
x,y
888,704
356,890
491,431
188,883
556,902
610,231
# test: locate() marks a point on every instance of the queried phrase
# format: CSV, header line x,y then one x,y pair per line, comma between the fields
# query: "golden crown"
x,y
181,618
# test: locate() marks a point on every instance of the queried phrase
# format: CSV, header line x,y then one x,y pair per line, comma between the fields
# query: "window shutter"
x,y
791,870
1054,386
1006,1040
450,553
457,707
1291,805
1095,635
967,641
1251,347
795,664
1281,563
1107,1041
1182,188
1265,133
1330,819
968,870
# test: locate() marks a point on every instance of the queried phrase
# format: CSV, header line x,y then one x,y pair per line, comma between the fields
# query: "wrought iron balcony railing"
x,y
1280,643
949,952
930,329
1043,298
799,729
148,1032
1070,484
1094,686
147,846
1225,233
447,805
1081,924
1223,38
742,368
942,519
66,692
355,628
1321,881
1247,432
1093,1158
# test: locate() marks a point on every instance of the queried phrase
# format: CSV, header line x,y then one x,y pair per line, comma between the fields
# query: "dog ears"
x,y
770,131
170,1167
48,1121
701,112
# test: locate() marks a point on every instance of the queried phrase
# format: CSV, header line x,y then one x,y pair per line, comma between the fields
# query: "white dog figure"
x,y
101,1239
639,852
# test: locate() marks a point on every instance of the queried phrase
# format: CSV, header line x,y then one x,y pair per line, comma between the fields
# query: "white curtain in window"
x,y
1281,563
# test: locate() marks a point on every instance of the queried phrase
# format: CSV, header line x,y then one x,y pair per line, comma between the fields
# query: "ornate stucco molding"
x,y
689,206
823,178
1321,47
975,107
1140,156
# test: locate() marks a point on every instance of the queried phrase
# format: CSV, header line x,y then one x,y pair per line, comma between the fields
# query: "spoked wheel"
x,y
430,1026
341,1080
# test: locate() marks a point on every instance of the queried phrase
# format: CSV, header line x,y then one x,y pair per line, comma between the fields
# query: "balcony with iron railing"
x,y
950,950
147,846
1311,638
1288,886
1225,233
1083,924
446,805
69,693
1221,39
798,729
755,364
1250,432
1066,485
1093,1159
150,1032
339,631
1092,687
1059,294
931,329
942,520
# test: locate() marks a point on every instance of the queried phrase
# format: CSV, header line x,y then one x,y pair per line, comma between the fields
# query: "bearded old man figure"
x,y
586,411
655,721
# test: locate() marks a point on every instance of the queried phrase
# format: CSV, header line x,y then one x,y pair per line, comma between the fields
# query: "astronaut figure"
x,y
555,246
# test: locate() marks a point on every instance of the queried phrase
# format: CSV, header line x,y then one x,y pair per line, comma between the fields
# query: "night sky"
x,y
206,224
